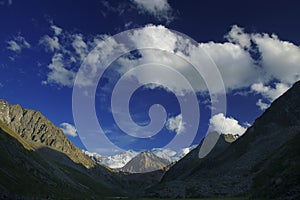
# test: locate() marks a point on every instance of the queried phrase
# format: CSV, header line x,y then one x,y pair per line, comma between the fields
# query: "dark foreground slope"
x,y
26,172
264,162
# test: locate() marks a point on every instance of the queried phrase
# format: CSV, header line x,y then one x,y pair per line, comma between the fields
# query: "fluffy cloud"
x,y
262,105
269,93
80,47
68,129
67,56
17,44
233,58
50,43
233,61
58,73
176,124
160,9
224,125
238,36
280,59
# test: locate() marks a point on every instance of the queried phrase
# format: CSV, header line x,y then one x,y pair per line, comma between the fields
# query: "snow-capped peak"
x,y
121,159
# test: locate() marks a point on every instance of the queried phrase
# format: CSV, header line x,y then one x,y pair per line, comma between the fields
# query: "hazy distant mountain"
x,y
145,162
116,161
264,162
121,159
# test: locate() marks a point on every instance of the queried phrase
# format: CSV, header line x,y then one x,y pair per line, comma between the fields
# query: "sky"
x,y
138,74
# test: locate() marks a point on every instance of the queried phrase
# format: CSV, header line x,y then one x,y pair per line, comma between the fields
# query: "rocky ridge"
x,y
39,131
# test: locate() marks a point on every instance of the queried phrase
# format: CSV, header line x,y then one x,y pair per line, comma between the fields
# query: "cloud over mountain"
x,y
68,129
226,125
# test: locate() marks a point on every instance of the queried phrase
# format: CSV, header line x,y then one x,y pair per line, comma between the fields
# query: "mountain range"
x,y
119,160
39,162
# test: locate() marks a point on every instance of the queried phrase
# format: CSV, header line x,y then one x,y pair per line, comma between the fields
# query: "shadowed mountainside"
x,y
26,172
264,162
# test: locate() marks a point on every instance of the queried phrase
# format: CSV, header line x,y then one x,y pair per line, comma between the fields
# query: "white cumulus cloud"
x,y
279,59
68,129
226,125
269,93
176,124
238,36
59,74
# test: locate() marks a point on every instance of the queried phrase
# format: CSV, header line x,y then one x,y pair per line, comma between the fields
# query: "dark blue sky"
x,y
43,43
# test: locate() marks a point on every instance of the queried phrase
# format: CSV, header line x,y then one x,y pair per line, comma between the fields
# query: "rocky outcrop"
x,y
145,162
37,129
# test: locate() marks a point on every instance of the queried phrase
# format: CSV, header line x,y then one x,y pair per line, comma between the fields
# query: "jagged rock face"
x,y
36,128
145,162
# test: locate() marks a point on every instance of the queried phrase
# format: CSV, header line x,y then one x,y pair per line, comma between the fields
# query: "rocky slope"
x,y
145,162
38,130
263,163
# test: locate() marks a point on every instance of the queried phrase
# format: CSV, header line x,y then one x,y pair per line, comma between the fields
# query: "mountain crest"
x,y
36,129
145,161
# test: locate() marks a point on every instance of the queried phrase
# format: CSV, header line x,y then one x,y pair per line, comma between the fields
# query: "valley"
x,y
38,161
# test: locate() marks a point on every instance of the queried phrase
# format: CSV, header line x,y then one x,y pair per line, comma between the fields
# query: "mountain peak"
x,y
145,161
